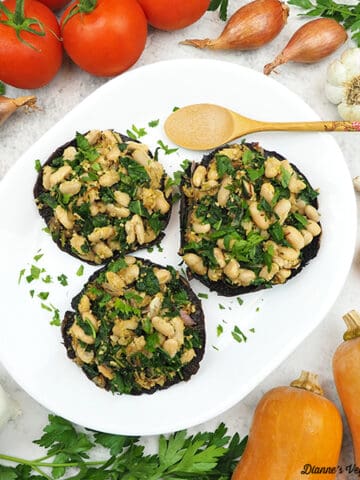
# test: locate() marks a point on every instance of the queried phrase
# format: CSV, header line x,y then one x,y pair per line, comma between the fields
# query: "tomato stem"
x,y
20,23
83,6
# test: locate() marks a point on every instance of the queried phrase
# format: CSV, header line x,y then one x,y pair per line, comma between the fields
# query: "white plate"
x,y
282,317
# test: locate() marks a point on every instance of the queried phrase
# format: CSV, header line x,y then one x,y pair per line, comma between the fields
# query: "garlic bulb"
x,y
8,409
343,84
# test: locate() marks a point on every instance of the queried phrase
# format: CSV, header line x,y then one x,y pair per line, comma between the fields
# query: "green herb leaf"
x,y
224,165
37,165
80,271
43,295
136,132
63,280
219,330
203,295
2,88
153,123
167,150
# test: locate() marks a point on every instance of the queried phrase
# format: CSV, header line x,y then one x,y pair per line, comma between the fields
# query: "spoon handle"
x,y
329,126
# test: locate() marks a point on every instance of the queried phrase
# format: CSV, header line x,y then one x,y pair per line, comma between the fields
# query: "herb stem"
x,y
41,472
40,463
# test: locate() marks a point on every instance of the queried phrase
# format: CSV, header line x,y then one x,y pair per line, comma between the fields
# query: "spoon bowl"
x,y
204,126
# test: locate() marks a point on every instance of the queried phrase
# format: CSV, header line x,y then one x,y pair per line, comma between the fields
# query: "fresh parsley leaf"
x,y
285,177
56,320
8,473
224,165
37,165
136,132
62,279
219,330
167,150
80,271
21,274
43,295
153,123
238,335
203,295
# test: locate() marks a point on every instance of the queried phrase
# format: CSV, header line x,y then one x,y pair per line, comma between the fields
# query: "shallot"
x,y
9,105
250,27
311,43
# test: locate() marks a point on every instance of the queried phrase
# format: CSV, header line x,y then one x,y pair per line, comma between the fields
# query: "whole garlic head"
x,y
343,84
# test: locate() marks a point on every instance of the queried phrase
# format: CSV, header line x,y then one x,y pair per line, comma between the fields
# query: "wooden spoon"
x,y
204,126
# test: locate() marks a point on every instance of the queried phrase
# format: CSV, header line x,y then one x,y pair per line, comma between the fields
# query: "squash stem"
x,y
308,381
352,321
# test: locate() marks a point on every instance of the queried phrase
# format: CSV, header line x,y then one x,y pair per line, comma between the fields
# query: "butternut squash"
x,y
346,369
295,433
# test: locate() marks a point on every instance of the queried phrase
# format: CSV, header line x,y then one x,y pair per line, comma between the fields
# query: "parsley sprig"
x,y
347,15
207,455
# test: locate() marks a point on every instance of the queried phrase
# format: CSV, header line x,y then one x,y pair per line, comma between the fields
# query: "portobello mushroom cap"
x,y
229,217
103,194
135,360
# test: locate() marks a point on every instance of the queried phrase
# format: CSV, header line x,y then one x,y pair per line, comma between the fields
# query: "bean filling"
x,y
137,327
249,217
103,195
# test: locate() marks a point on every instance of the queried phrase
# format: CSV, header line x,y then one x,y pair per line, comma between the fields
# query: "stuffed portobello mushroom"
x,y
103,194
249,219
136,327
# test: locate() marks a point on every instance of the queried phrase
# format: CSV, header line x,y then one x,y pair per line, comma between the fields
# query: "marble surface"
x,y
71,86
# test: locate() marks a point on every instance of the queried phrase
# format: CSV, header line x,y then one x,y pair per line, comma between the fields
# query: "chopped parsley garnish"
x,y
43,295
167,150
238,335
80,271
203,295
37,165
63,280
136,132
240,301
153,123
219,330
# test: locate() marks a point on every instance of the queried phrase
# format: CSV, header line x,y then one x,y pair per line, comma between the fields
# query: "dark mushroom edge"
x,y
102,195
248,219
137,327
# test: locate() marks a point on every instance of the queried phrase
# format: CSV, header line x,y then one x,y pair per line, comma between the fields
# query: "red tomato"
x,y
33,62
109,39
55,4
173,14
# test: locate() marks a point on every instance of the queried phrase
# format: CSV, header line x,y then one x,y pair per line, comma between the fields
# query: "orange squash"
x,y
346,369
296,433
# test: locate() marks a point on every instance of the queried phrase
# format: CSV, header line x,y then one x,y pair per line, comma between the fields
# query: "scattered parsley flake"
x,y
215,348
219,330
62,279
153,123
203,295
32,293
46,230
257,309
175,108
221,306
46,307
80,271
240,300
136,132
252,330
43,295
38,256
160,248
238,335
37,165
167,150
150,249
21,274
56,321
47,279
